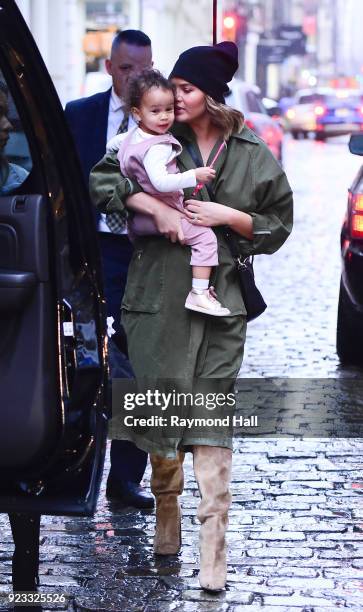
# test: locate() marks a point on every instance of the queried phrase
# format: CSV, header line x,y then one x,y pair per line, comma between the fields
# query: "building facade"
x,y
74,37
58,27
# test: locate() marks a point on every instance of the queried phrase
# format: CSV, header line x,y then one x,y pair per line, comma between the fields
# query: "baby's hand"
x,y
205,174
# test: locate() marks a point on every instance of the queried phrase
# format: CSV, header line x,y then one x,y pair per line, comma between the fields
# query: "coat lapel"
x,y
100,127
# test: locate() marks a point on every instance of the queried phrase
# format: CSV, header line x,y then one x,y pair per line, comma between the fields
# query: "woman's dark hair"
x,y
142,83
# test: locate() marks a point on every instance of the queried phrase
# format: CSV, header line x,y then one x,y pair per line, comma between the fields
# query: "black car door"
x,y
52,344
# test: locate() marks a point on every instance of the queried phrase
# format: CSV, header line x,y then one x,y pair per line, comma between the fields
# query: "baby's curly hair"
x,y
142,83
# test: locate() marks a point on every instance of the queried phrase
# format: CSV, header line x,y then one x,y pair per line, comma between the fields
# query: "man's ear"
x,y
108,66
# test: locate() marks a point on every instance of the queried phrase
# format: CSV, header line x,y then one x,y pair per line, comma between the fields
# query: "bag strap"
x,y
229,235
192,152
198,163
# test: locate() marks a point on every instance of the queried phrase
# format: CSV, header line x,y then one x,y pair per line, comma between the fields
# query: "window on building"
x,y
103,13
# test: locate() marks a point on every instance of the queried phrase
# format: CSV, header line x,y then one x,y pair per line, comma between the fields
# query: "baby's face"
x,y
156,112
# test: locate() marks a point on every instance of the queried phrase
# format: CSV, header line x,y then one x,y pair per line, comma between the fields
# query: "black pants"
x,y
116,252
128,462
25,529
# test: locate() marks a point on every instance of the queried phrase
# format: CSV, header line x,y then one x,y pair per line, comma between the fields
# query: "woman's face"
x,y
189,102
5,125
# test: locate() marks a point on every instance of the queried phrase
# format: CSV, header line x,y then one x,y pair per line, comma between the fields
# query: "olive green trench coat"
x,y
167,342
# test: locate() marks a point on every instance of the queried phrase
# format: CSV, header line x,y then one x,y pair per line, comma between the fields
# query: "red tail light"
x,y
356,210
319,110
268,136
357,226
357,202
250,124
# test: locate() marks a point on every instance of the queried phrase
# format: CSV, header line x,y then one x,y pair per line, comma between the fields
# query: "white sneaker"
x,y
206,303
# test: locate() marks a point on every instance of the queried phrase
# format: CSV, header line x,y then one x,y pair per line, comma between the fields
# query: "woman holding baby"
x,y
249,193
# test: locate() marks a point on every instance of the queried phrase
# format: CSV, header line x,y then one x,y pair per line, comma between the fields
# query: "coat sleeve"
x,y
109,188
273,217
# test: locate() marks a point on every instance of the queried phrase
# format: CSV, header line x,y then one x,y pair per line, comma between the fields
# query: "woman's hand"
x,y
209,214
212,214
166,219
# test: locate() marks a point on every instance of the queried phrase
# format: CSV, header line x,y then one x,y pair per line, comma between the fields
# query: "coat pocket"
x,y
145,280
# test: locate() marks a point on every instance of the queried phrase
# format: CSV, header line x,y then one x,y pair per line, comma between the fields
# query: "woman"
x,y
251,195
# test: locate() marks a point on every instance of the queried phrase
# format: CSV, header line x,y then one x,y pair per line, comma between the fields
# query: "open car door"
x,y
52,342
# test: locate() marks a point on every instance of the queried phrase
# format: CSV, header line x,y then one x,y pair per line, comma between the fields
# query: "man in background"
x,y
93,121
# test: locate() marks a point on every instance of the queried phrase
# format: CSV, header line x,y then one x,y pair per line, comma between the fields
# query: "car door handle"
x,y
15,289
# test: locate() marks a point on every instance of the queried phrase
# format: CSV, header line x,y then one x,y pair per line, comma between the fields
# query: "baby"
x,y
148,154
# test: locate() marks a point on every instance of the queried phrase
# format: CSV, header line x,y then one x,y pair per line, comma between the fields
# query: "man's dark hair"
x,y
131,37
141,84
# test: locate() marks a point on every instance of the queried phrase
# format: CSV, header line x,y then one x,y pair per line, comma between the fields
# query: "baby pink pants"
x,y
201,239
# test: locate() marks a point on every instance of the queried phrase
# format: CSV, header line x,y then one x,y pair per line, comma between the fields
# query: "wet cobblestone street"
x,y
295,540
296,521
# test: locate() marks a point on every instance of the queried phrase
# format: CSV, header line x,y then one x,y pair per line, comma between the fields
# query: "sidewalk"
x,y
295,540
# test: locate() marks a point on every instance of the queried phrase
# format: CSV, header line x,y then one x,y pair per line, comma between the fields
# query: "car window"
x,y
305,99
339,100
312,99
15,158
254,103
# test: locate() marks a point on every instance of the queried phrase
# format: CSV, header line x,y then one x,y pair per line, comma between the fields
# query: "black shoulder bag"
x,y
252,297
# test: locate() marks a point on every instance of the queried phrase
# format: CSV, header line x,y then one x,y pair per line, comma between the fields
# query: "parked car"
x,y
350,307
302,115
274,111
272,107
53,347
247,99
340,113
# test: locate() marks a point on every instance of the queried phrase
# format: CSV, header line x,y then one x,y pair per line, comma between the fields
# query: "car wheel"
x,y
295,135
319,136
349,331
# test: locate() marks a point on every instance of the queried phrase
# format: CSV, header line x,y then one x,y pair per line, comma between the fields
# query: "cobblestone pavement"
x,y
295,540
300,283
296,523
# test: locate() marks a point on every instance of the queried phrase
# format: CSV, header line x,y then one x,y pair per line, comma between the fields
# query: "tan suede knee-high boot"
x,y
167,482
212,468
